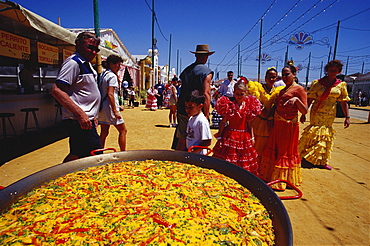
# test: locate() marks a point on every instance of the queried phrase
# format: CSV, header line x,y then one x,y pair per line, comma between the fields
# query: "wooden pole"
x,y
308,69
336,41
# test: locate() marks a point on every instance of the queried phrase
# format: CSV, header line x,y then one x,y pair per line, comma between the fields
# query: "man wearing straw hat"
x,y
196,76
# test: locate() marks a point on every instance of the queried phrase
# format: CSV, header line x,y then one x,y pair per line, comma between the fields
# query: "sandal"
x,y
328,167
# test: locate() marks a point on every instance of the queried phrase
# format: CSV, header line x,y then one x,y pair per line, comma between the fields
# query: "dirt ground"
x,y
335,206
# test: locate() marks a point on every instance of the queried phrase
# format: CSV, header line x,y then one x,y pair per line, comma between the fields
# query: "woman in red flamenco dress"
x,y
235,139
280,159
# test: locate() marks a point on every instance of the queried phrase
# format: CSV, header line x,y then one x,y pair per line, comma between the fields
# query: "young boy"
x,y
198,130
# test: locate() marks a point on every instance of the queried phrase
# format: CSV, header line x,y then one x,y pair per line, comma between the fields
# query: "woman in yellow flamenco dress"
x,y
266,94
316,142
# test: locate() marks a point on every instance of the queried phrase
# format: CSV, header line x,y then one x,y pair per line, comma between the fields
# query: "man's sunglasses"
x,y
93,48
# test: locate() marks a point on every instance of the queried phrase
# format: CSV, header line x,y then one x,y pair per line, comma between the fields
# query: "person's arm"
x,y
112,102
59,93
249,125
303,116
220,128
300,101
174,93
345,110
207,94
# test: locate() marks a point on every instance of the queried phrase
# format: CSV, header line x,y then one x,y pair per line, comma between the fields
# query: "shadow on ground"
x,y
11,148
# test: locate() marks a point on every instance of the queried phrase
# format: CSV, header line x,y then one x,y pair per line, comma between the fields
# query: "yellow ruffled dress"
x,y
316,142
260,124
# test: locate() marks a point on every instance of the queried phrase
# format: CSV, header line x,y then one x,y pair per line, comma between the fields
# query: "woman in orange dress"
x,y
280,159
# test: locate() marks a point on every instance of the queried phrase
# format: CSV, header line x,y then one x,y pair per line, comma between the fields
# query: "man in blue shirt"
x,y
196,76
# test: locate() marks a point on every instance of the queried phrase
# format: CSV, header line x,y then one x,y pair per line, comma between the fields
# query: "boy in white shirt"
x,y
198,130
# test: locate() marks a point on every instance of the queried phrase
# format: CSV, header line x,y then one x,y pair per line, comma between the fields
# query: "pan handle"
x,y
93,152
200,147
299,192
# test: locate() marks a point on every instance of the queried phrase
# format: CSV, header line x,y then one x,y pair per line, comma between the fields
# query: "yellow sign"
x,y
14,46
67,53
47,54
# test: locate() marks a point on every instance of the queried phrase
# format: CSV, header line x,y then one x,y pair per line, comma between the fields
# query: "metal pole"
x,y
169,59
336,41
322,65
363,66
97,33
308,69
260,53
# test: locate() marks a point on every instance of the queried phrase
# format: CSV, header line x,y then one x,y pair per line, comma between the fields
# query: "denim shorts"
x,y
81,141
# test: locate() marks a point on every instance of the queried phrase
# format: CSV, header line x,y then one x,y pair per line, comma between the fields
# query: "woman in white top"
x,y
110,109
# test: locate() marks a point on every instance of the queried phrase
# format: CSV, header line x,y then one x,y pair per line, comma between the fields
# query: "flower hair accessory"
x,y
271,68
290,62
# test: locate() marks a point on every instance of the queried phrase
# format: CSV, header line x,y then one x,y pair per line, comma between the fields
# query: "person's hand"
x,y
118,115
253,140
291,101
121,108
85,122
303,118
347,122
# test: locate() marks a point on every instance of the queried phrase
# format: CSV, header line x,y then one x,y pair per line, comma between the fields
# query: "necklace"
x,y
266,88
289,87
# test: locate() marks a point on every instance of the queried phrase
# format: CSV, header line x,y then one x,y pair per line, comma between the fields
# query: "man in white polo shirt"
x,y
76,89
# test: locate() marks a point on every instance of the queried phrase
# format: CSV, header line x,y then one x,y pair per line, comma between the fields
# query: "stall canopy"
x,y
27,18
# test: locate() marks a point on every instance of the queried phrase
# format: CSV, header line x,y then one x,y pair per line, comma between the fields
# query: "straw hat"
x,y
203,49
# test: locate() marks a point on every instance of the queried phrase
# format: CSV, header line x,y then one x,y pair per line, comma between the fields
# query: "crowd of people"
x,y
258,124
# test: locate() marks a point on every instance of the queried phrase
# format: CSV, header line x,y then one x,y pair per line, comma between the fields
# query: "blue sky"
x,y
227,25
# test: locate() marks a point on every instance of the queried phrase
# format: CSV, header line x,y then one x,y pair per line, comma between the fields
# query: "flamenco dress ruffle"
x,y
151,102
316,144
237,148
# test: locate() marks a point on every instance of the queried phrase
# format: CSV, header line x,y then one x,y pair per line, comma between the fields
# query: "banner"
x,y
14,46
66,54
47,54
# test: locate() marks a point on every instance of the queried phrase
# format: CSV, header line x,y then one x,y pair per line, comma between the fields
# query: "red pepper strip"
x,y
36,241
67,230
157,218
61,241
149,240
233,197
109,234
72,219
7,231
238,210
